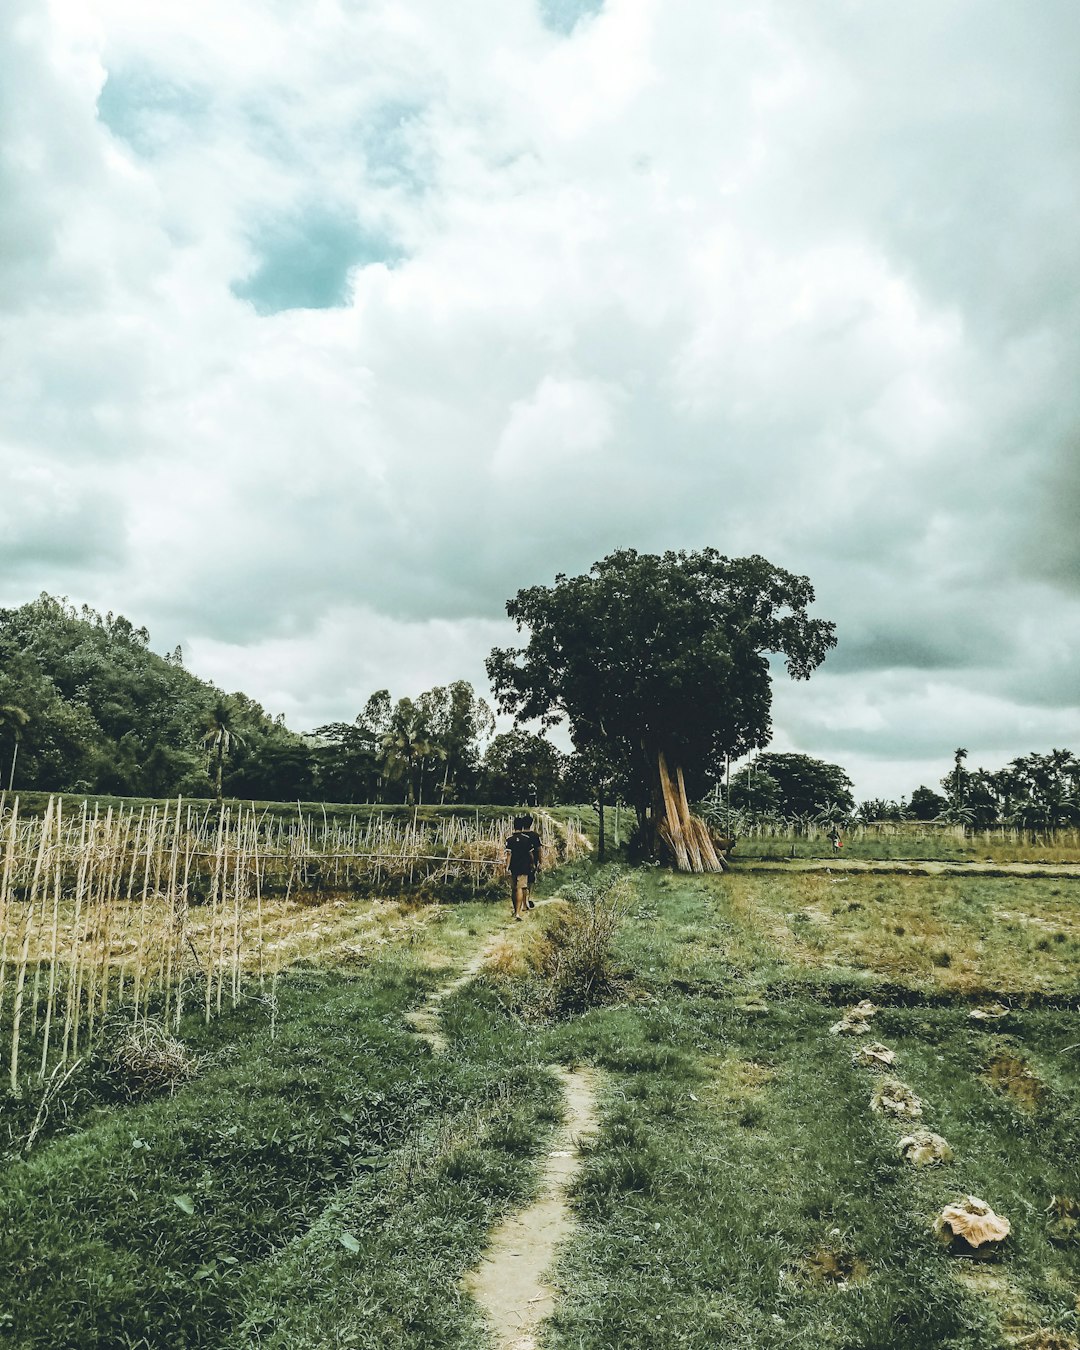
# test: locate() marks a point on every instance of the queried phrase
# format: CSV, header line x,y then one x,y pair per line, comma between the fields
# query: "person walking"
x,y
523,859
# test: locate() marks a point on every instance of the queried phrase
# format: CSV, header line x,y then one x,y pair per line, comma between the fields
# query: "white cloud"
x,y
792,279
550,430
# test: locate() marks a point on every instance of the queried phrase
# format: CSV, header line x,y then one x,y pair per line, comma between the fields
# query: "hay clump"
x,y
924,1149
142,1059
873,1056
893,1098
969,1227
856,1021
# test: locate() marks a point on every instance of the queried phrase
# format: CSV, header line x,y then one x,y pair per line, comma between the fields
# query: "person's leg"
x,y
521,895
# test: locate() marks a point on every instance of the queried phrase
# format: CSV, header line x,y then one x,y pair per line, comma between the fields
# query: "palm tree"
x,y
13,718
959,755
406,744
220,736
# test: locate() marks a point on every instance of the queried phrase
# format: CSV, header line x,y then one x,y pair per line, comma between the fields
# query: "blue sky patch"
x,y
147,111
304,262
563,16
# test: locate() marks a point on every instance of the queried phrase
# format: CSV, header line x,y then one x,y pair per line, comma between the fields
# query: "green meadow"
x,y
320,1177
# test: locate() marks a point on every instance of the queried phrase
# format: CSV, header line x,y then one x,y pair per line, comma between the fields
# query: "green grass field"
x,y
325,1180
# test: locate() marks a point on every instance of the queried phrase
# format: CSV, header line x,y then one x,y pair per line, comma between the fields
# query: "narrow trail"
x,y
509,1284
1058,871
426,1021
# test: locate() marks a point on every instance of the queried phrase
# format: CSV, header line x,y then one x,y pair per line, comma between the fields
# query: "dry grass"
x,y
159,908
959,934
145,1060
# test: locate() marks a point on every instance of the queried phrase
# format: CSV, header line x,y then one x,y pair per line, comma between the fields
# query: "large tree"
x,y
807,786
520,769
663,662
457,721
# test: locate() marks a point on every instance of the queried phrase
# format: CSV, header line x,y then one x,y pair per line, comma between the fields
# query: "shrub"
x,y
576,958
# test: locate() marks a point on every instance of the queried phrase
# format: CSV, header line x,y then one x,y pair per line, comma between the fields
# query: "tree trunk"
x,y
685,836
600,849
11,775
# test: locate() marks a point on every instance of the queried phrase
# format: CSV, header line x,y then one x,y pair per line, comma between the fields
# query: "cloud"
x,y
325,329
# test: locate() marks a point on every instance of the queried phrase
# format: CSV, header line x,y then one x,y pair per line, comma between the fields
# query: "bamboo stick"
x,y
5,895
20,979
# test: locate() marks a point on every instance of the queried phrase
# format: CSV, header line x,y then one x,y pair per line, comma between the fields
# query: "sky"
x,y
326,327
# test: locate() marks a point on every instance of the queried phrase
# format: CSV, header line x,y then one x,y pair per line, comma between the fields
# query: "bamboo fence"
x,y
98,908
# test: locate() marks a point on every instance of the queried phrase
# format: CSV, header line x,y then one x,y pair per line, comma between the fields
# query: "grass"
x,y
328,1186
195,1220
963,935
740,1174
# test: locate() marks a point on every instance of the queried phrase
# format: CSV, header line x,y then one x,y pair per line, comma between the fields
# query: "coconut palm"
x,y
13,719
406,745
959,755
220,736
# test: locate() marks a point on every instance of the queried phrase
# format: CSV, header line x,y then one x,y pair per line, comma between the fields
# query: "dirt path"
x,y
914,868
509,1283
426,1020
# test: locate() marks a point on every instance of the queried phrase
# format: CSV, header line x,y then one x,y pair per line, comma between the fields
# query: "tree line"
x,y
1039,792
87,706
659,666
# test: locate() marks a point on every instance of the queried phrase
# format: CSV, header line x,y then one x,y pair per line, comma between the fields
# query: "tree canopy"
x,y
656,658
807,786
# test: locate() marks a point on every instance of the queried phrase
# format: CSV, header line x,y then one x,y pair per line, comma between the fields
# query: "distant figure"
x,y
837,842
523,858
532,795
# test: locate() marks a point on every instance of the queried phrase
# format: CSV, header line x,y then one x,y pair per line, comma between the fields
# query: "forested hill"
x,y
92,709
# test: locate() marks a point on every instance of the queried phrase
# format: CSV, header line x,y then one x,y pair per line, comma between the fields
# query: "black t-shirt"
x,y
524,849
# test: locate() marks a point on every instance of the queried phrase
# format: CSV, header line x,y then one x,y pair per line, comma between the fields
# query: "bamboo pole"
x,y
20,979
710,860
140,951
50,999
671,821
5,895
85,886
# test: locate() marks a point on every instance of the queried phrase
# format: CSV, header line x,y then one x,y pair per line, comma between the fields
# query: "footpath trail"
x,y
426,1021
509,1285
908,867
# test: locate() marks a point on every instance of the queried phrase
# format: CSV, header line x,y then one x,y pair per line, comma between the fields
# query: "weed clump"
x,y
576,957
1011,1076
571,966
141,1060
